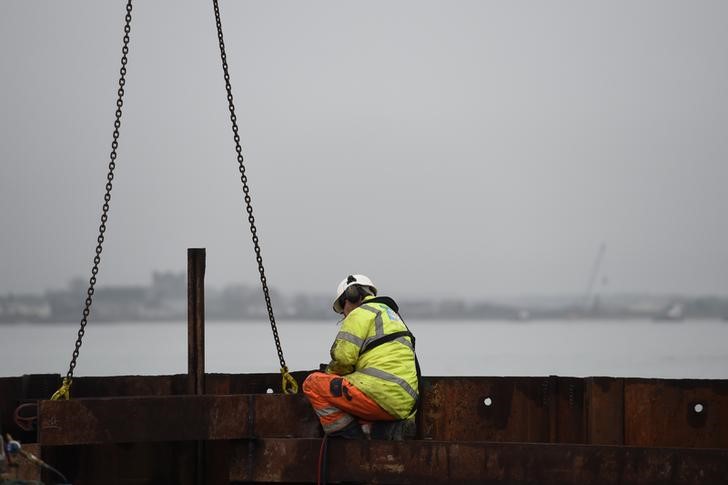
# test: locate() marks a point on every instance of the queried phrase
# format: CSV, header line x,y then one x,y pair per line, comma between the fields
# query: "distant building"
x,y
24,308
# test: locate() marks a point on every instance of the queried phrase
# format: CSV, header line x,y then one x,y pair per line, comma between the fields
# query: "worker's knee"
x,y
315,382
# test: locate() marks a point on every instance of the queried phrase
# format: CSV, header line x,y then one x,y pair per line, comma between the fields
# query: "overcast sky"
x,y
469,148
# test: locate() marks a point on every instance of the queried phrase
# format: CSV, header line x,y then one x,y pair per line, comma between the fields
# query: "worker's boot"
x,y
394,430
351,432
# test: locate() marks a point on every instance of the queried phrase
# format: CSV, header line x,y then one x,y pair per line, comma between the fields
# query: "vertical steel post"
x,y
196,340
196,321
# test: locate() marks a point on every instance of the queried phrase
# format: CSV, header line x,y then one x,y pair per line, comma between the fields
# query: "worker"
x,y
372,379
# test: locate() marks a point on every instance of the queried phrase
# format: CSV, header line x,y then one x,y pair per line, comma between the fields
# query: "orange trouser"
x,y
337,402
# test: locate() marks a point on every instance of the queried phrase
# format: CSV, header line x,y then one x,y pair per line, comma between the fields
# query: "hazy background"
x,y
459,148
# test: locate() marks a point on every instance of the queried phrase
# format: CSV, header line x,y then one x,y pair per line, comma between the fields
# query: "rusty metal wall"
x,y
641,412
147,432
616,411
686,413
277,460
418,462
523,409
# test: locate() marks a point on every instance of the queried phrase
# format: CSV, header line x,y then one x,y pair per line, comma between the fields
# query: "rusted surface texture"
x,y
687,413
604,406
287,460
177,384
175,418
196,341
283,416
644,412
294,461
528,409
196,321
142,419
456,408
567,396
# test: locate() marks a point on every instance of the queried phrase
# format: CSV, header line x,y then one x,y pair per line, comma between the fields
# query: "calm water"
x,y
615,348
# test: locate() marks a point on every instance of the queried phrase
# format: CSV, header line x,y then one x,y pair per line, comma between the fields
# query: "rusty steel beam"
x,y
640,412
361,461
175,418
196,341
122,420
196,321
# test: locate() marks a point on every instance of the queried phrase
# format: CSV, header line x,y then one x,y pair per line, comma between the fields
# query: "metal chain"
x,y
248,205
63,392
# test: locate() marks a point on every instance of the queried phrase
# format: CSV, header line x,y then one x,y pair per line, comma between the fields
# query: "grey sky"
x,y
466,148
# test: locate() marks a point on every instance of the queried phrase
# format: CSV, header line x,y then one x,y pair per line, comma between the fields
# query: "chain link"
x,y
107,199
246,191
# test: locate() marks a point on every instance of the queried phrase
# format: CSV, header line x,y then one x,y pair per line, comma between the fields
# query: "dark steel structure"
x,y
145,429
232,428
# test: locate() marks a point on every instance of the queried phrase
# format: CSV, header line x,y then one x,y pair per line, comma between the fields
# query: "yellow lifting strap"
x,y
63,392
288,383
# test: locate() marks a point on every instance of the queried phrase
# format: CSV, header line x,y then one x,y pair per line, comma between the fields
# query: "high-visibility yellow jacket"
x,y
387,373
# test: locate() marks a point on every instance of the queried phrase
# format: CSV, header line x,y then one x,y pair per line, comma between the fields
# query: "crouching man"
x,y
370,387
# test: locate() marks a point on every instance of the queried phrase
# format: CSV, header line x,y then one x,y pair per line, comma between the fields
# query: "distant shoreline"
x,y
165,300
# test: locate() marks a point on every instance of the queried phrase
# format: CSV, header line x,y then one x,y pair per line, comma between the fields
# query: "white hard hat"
x,y
355,279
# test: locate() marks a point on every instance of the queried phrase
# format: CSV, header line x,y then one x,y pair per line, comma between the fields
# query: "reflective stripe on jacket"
x,y
386,373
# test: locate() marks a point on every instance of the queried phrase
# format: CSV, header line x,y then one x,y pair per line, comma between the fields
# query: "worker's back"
x,y
384,368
